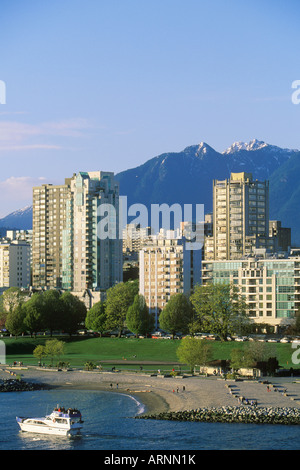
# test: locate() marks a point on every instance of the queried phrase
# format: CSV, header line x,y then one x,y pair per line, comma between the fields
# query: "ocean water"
x,y
109,424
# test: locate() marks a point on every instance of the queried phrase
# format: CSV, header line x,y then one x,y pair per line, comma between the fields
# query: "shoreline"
x,y
153,402
163,395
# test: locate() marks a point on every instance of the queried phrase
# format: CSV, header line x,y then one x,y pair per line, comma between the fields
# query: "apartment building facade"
x,y
92,260
167,267
48,223
270,286
240,216
67,250
15,264
133,237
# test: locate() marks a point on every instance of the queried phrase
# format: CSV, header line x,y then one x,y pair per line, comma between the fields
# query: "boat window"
x,y
61,420
33,421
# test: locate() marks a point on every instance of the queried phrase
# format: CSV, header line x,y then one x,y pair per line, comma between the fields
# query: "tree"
x,y
96,317
176,315
12,297
138,319
3,313
39,352
54,348
34,313
52,310
294,329
260,351
15,320
73,312
118,300
220,309
297,322
193,352
240,358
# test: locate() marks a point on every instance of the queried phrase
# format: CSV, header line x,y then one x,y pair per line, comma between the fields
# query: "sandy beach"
x,y
159,393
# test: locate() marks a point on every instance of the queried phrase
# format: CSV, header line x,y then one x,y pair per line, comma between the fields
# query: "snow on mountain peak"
x,y
254,144
203,148
25,209
200,150
19,212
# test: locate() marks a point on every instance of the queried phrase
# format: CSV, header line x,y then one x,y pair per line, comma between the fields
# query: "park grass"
x,y
79,350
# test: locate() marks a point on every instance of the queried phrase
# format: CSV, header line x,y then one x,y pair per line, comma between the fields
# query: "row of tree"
x,y
218,309
47,310
215,308
123,307
52,311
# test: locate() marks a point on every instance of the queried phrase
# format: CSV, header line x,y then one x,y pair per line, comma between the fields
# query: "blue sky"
x,y
108,84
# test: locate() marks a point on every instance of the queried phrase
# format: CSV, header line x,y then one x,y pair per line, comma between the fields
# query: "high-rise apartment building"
x,y
71,249
92,259
240,216
167,268
49,220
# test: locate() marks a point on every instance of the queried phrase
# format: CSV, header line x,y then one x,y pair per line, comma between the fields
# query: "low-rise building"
x,y
14,264
271,286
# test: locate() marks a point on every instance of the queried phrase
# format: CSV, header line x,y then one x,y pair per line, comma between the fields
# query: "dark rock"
x,y
15,385
224,414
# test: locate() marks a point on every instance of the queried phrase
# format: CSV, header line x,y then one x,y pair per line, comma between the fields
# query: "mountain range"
x,y
186,177
20,219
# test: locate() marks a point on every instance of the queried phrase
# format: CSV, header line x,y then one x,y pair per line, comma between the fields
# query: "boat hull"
x,y
49,430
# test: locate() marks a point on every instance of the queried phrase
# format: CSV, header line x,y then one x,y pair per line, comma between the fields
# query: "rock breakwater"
x,y
15,385
238,414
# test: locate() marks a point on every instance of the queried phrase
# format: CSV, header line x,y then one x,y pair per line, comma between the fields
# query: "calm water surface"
x,y
109,425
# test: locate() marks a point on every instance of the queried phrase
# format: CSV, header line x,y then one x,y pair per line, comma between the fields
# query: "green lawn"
x,y
80,350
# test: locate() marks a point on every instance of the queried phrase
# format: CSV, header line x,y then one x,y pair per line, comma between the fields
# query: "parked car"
x,y
285,340
210,337
156,335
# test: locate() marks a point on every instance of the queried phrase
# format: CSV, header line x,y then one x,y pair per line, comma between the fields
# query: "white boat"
x,y
60,422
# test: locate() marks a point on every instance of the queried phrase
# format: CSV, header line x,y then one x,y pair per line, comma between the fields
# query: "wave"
x,y
140,406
